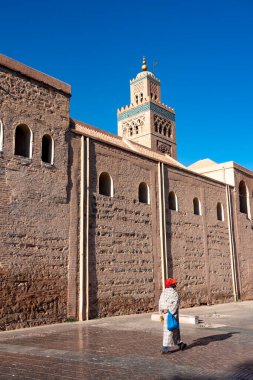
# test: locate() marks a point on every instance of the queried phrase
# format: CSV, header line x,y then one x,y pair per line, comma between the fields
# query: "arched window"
x,y
1,135
143,193
220,212
170,132
172,201
47,149
196,206
243,197
23,141
105,184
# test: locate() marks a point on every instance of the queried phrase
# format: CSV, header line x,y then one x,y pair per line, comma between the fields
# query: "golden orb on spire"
x,y
144,67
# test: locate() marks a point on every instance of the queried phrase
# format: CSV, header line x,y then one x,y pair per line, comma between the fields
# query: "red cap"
x,y
169,282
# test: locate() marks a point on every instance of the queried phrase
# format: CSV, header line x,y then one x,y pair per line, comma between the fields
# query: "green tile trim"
x,y
147,107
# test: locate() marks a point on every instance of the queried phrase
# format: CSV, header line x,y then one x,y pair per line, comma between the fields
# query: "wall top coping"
x,y
208,166
123,143
34,74
88,130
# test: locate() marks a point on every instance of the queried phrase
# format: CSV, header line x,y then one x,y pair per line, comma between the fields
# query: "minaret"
x,y
146,120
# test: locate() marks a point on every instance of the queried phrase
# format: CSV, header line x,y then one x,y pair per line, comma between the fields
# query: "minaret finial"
x,y
144,67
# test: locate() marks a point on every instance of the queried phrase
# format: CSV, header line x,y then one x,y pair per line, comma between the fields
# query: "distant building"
x,y
92,223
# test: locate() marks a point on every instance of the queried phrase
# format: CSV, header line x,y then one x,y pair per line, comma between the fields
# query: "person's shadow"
x,y
204,341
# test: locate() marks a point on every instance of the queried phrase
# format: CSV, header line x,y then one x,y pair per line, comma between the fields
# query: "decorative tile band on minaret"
x,y
146,120
144,107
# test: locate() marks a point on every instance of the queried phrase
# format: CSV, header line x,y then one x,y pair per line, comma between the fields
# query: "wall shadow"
x,y
91,220
168,223
69,185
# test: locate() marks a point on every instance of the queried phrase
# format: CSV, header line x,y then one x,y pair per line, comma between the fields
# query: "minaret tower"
x,y
146,120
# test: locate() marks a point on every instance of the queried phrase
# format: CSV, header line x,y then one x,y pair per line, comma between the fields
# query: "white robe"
x,y
169,300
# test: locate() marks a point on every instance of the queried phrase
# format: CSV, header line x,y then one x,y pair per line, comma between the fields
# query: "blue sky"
x,y
204,49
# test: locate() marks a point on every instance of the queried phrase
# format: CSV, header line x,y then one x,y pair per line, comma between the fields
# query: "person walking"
x,y
169,302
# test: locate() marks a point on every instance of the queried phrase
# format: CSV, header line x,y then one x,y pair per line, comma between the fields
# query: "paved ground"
x,y
220,347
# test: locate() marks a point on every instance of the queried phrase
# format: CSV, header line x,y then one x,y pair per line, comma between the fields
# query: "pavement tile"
x,y
128,347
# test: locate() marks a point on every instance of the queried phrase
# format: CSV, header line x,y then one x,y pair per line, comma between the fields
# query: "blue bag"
x,y
172,323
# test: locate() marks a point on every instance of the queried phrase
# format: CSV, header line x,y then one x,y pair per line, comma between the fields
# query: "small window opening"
x,y
23,141
196,206
172,201
141,97
152,95
105,185
47,149
156,126
170,132
220,213
243,197
155,97
143,193
136,98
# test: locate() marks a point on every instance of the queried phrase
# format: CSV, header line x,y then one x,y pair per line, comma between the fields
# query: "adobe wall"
x,y
198,245
34,205
124,262
124,237
244,237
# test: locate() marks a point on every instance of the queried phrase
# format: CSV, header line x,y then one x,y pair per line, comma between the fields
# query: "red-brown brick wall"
x,y
40,223
34,206
198,245
122,235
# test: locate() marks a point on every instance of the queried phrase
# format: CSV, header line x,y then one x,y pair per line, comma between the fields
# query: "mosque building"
x,y
92,223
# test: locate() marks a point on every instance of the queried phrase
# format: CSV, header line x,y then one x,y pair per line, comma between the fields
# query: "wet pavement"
x,y
128,347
